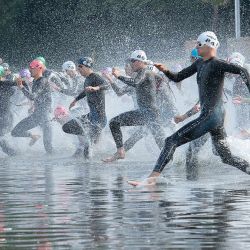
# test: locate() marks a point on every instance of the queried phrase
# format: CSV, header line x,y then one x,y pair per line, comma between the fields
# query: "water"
x,y
62,203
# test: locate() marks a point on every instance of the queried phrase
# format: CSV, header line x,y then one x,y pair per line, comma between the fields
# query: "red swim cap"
x,y
36,64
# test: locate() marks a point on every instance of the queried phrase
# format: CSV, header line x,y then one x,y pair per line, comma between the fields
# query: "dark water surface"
x,y
62,203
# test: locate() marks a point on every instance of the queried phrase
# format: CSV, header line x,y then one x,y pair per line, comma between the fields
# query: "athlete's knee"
x,y
66,128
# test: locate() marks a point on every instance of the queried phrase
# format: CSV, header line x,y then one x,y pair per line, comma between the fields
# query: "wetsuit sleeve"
x,y
64,79
119,91
235,69
183,74
81,96
127,80
134,81
103,84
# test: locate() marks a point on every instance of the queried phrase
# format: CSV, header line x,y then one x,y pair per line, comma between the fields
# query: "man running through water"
x,y
95,120
41,96
210,78
163,102
147,112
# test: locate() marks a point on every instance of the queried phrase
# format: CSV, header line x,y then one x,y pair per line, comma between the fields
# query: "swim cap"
x,y
208,38
237,58
69,65
60,112
139,55
86,61
25,73
41,59
106,70
36,64
1,71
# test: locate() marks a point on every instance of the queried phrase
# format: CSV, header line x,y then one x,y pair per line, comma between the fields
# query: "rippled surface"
x,y
61,203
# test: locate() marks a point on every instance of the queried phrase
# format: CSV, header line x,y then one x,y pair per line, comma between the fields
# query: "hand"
x,y
19,82
238,100
108,76
197,108
116,72
72,104
161,67
179,118
92,89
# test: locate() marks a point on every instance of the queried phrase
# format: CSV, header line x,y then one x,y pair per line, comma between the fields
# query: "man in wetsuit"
x,y
95,120
6,118
52,77
73,80
147,112
41,96
210,78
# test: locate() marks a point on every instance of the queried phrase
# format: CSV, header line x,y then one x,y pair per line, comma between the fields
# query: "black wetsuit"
x,y
147,112
96,119
6,118
41,96
210,79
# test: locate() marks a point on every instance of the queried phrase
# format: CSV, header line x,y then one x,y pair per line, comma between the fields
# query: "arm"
x,y
194,110
26,91
183,74
235,69
134,81
241,100
127,80
119,91
80,96
69,92
103,85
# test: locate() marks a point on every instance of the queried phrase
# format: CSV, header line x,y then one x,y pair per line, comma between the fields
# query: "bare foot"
x,y
115,157
151,181
34,139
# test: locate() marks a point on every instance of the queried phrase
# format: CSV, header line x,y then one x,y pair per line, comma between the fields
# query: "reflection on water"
x,y
60,203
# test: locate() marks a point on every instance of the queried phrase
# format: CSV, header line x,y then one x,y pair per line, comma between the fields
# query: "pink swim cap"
x,y
60,112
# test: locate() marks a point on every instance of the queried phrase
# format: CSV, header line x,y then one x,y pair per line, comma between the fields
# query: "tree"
x,y
216,4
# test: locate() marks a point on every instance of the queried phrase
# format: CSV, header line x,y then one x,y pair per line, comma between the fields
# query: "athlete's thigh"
x,y
28,123
131,118
193,130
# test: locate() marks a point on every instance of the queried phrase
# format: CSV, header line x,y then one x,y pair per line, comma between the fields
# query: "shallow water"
x,y
62,203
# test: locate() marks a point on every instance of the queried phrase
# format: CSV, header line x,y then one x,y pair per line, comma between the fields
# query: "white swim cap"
x,y
139,55
237,58
208,38
69,65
